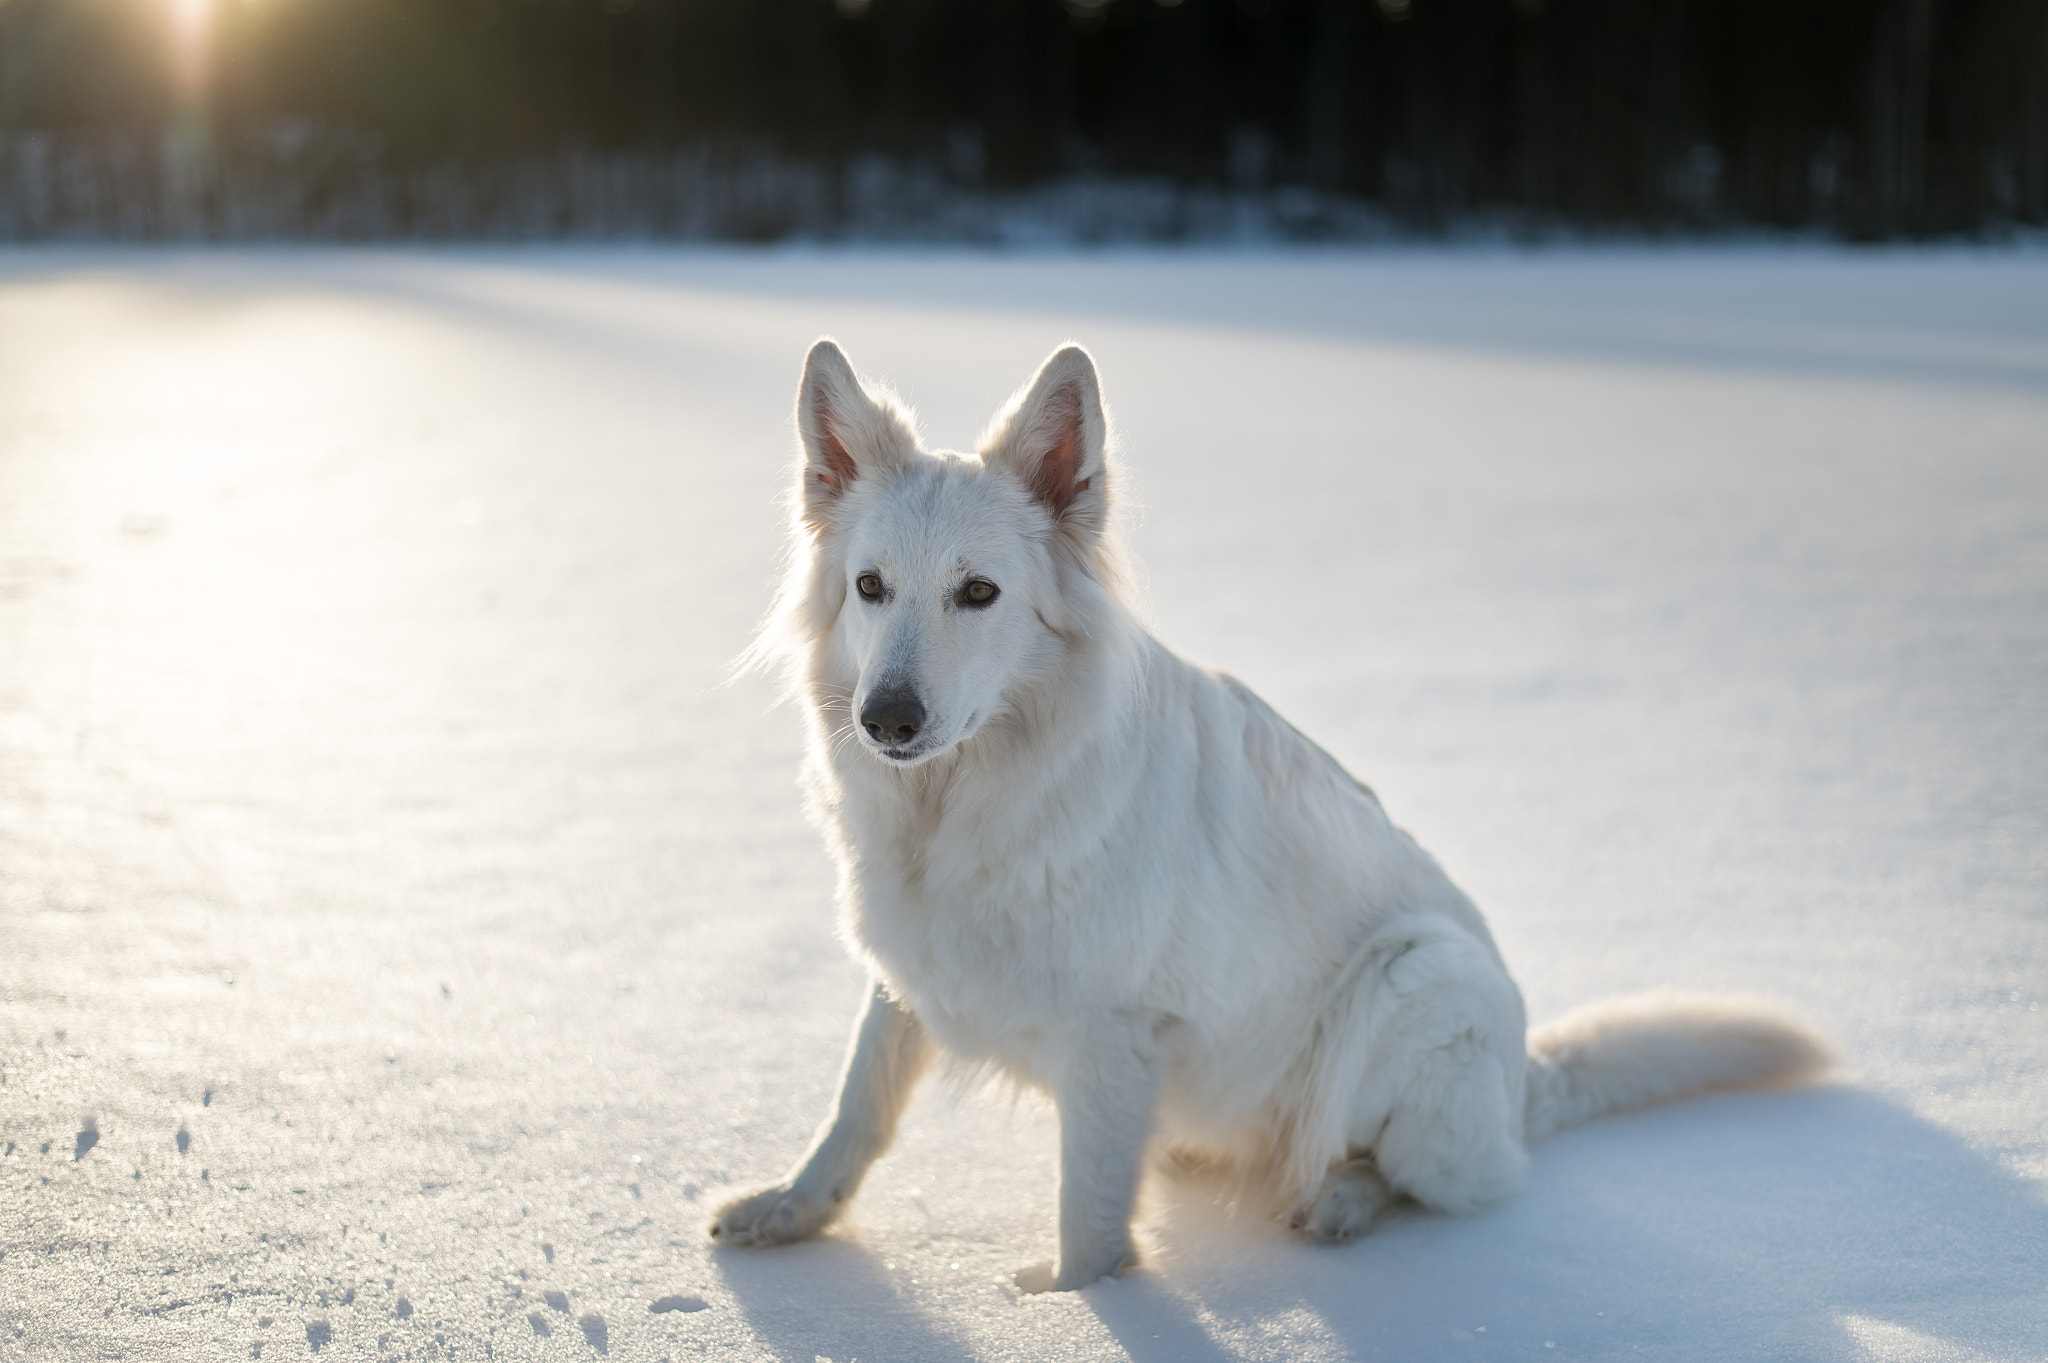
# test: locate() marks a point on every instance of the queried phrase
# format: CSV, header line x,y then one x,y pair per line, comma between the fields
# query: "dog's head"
x,y
940,586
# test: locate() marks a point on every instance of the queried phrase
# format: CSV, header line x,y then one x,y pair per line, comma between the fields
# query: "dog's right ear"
x,y
848,433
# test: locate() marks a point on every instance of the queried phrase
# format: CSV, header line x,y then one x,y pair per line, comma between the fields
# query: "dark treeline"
x,y
1860,117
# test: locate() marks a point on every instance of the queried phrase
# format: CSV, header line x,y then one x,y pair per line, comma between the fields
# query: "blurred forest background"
x,y
1018,119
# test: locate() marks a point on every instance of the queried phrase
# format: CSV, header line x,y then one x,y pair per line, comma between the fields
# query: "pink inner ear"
x,y
840,470
1053,480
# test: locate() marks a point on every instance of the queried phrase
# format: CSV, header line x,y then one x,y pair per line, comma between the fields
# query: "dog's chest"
x,y
996,958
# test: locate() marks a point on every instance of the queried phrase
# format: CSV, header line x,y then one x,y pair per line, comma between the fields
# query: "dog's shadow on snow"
x,y
831,1298
1823,1224
1820,1224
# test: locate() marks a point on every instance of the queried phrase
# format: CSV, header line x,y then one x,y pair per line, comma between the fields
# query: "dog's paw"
x,y
1344,1204
773,1216
1067,1276
1034,1278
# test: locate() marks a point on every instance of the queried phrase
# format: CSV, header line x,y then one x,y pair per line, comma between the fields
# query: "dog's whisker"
x,y
838,740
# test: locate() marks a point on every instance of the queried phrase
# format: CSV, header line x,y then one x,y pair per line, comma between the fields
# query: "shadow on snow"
x,y
1746,1225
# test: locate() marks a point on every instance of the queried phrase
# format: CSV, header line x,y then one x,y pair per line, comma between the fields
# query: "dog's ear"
x,y
848,433
1052,436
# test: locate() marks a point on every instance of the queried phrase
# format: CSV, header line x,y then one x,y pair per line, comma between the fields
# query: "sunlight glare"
x,y
190,21
190,16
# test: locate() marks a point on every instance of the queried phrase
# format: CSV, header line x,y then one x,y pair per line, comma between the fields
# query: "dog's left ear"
x,y
1051,436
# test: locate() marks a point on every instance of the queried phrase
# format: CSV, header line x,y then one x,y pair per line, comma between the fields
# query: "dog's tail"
x,y
1650,1048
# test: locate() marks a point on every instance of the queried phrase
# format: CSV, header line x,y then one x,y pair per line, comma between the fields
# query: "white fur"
x,y
1125,880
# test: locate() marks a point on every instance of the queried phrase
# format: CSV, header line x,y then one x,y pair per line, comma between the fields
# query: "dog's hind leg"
x,y
890,1050
1432,1047
1453,1141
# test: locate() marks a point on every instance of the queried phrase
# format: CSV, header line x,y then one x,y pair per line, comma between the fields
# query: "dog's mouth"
x,y
903,754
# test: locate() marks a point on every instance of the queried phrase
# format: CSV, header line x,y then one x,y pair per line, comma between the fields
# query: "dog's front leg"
x,y
1105,1101
889,1051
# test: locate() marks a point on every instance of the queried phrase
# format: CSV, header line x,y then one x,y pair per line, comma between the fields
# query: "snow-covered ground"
x,y
405,939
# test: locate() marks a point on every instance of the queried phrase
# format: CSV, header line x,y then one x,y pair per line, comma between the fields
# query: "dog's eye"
x,y
870,586
979,592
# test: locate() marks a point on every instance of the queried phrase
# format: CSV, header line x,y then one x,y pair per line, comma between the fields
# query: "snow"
x,y
406,936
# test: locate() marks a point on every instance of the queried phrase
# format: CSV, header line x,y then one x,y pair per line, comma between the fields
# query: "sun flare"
x,y
190,16
191,24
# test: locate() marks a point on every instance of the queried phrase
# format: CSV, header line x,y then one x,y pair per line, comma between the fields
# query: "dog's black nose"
x,y
892,717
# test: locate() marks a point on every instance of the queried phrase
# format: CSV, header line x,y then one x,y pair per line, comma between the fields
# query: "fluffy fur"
x,y
1069,855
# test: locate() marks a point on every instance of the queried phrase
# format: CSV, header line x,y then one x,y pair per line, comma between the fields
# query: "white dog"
x,y
1069,855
